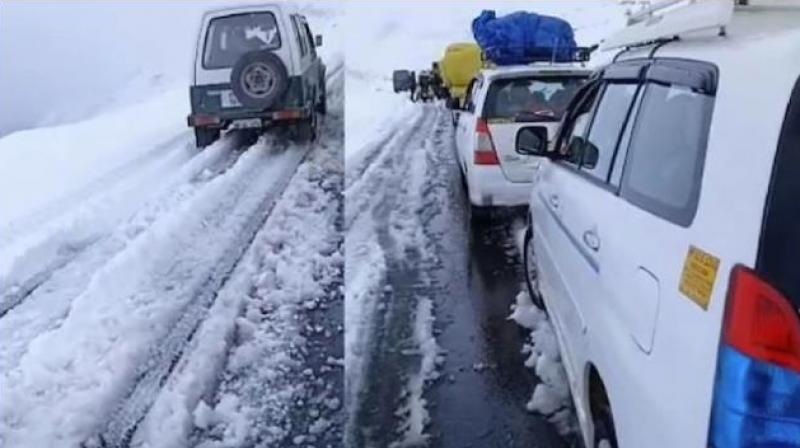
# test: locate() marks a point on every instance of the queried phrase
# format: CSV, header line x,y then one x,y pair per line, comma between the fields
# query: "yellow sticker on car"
x,y
699,275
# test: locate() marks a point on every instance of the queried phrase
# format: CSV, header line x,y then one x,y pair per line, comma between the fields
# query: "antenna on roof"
x,y
667,19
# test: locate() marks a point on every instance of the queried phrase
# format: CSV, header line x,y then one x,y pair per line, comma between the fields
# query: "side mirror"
x,y
318,41
532,141
590,155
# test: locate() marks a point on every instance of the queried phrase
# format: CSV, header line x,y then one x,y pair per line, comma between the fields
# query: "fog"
x,y
61,61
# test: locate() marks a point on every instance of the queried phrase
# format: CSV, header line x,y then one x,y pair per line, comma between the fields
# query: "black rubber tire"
x,y
604,430
536,298
479,214
306,130
322,106
205,136
275,87
603,420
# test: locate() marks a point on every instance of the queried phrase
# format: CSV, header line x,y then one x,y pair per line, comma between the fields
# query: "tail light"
x,y
204,120
757,390
761,323
485,153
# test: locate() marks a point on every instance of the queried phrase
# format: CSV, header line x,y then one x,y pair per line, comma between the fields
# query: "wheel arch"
x,y
597,401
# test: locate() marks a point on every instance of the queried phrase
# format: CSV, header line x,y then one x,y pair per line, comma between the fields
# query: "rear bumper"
x,y
224,118
488,186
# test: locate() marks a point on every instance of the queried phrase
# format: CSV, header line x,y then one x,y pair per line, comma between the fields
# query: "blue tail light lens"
x,y
756,404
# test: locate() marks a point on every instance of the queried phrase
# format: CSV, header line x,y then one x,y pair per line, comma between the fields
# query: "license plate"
x,y
228,99
246,124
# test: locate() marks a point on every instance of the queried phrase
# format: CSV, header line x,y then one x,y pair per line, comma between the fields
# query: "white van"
x,y
665,229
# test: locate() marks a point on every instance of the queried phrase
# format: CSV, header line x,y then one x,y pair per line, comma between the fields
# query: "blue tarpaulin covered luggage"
x,y
524,37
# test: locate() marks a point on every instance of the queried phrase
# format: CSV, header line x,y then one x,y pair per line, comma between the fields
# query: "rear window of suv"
x,y
230,37
532,98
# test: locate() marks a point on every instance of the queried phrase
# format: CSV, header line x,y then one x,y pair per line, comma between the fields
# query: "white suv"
x,y
256,67
499,102
665,231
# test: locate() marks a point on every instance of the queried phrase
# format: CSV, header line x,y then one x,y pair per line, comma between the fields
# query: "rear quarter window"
x,y
666,152
780,236
229,37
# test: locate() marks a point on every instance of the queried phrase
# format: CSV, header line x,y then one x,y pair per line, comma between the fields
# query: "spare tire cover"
x,y
259,79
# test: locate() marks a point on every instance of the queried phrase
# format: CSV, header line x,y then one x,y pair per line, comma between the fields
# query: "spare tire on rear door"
x,y
259,79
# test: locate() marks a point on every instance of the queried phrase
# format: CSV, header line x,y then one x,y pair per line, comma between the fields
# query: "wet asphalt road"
x,y
480,396
479,401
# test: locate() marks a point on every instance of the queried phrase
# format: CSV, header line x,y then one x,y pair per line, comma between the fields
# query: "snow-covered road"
x,y
432,357
134,309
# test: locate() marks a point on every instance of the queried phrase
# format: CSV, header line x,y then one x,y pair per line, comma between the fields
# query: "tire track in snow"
x,y
28,260
63,250
71,379
62,205
359,187
48,304
291,265
386,409
129,413
357,166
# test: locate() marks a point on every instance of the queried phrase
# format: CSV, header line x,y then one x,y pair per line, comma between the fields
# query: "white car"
x,y
665,229
256,67
499,102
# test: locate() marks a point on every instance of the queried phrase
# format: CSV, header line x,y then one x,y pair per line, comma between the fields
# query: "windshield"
x,y
230,37
531,98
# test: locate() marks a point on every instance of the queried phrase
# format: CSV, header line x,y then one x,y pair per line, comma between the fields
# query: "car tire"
x,y
604,436
478,214
259,79
306,130
604,432
529,268
205,136
322,106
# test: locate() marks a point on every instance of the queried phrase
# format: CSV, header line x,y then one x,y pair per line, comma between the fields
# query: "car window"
x,y
310,39
299,35
577,125
530,98
664,167
606,129
229,37
469,103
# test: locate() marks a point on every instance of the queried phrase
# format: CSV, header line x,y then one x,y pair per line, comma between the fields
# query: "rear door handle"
x,y
591,240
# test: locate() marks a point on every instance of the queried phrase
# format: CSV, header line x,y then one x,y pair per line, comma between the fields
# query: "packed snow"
x,y
551,397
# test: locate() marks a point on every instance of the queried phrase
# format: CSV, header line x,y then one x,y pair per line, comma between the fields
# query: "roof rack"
x,y
532,55
667,19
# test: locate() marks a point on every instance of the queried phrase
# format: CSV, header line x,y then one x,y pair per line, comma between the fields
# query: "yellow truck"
x,y
461,62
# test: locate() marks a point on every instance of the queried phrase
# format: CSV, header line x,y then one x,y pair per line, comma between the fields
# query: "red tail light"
x,y
204,120
485,153
760,322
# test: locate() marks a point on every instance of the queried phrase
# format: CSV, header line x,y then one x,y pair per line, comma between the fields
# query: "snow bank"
x,y
44,167
551,397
